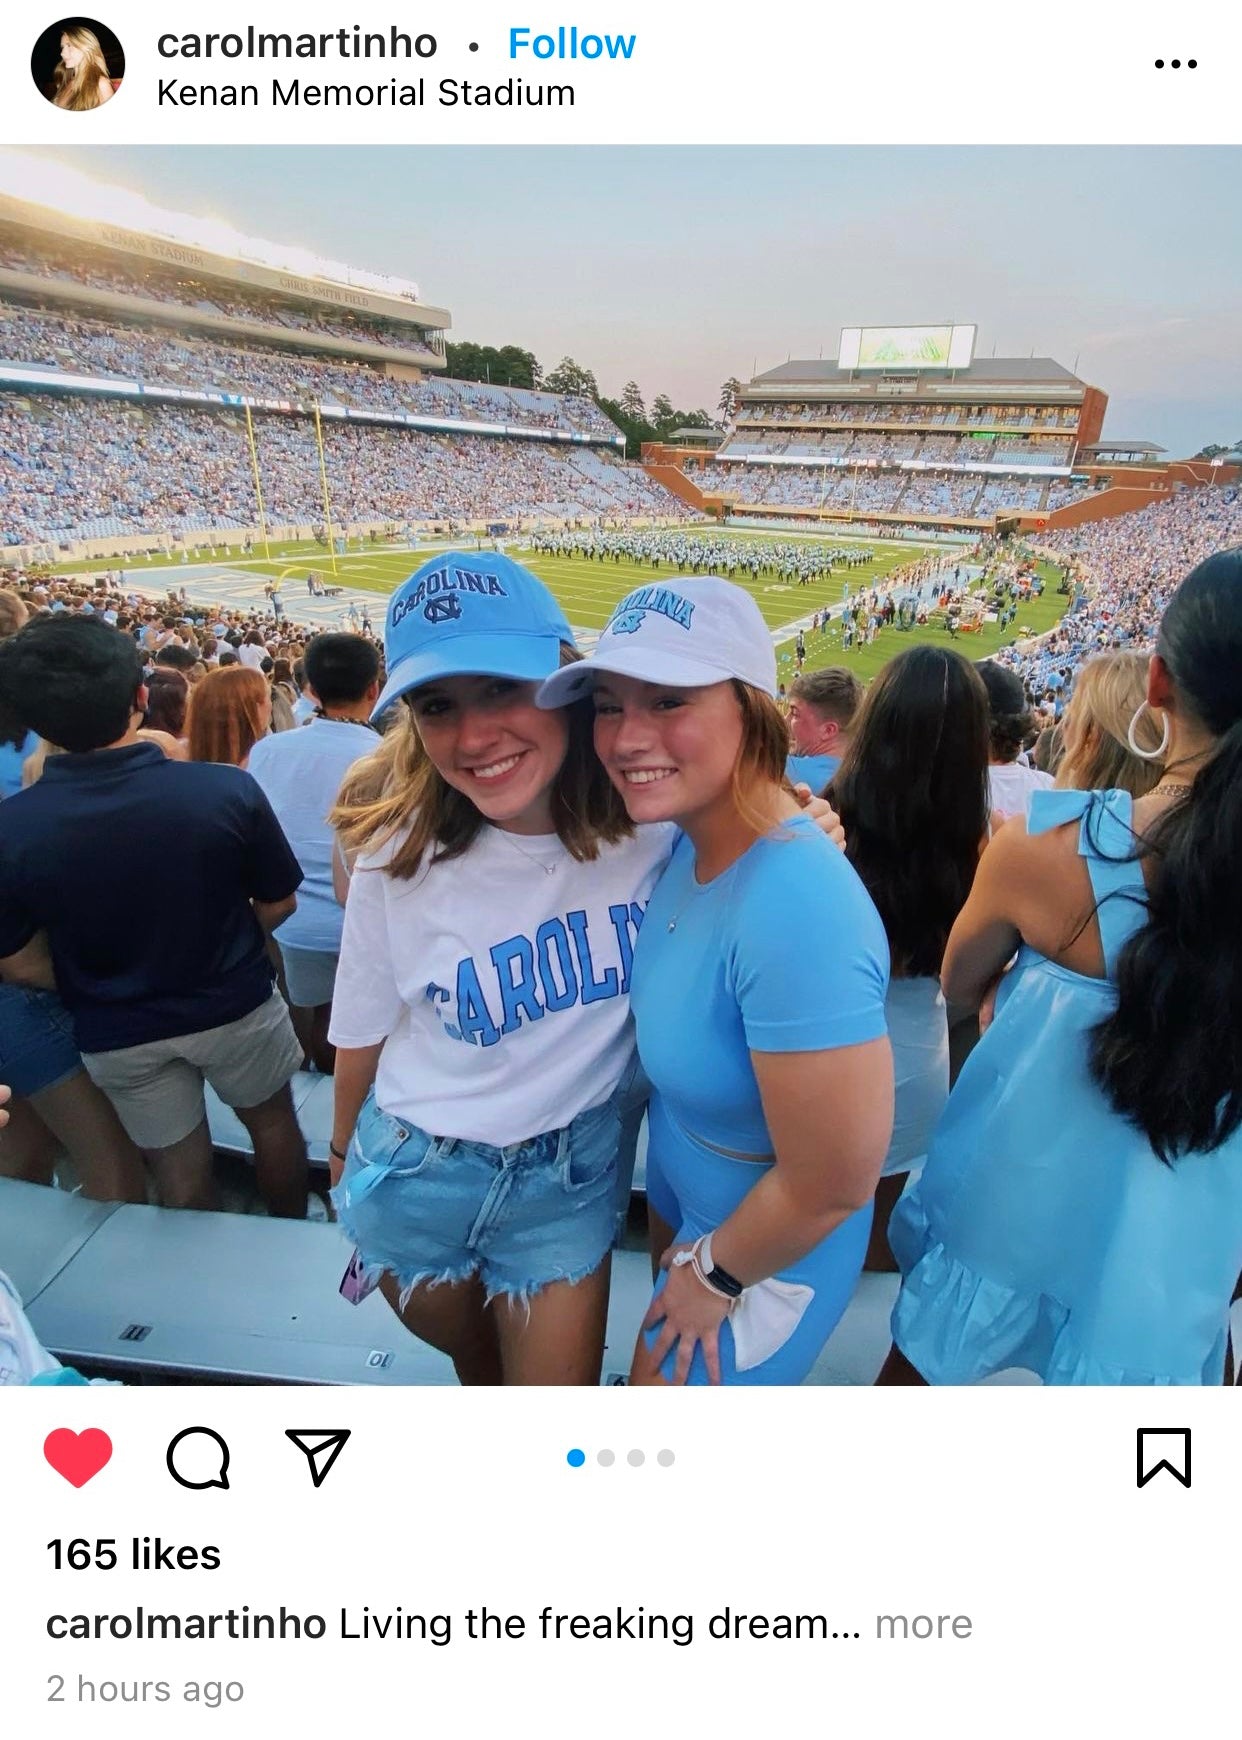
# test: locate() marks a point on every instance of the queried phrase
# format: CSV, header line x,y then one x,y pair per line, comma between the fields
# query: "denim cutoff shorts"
x,y
430,1209
37,1048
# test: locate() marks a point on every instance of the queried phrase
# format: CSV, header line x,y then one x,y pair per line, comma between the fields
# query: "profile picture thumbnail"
x,y
78,63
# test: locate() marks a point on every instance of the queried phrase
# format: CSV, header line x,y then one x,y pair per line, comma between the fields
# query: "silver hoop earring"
x,y
1162,748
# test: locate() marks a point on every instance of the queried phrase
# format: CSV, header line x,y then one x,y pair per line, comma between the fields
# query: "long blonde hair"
x,y
397,788
1109,691
78,87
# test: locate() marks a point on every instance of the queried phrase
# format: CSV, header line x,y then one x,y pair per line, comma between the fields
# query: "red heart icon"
x,y
78,1455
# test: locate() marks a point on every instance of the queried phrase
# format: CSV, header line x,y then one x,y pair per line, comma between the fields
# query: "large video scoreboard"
x,y
906,347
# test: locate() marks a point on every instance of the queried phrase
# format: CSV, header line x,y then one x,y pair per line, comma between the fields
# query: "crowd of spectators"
x,y
209,296
1042,419
76,469
1125,571
78,344
962,496
891,449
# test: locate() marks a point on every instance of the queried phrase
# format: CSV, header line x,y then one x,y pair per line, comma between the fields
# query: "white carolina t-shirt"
x,y
499,981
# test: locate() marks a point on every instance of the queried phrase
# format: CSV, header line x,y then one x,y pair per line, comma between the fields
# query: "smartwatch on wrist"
x,y
714,1275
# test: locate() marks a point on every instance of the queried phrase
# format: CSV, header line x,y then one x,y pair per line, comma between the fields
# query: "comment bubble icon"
x,y
198,1458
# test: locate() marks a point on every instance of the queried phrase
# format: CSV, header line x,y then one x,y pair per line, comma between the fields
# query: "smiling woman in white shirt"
x,y
484,1054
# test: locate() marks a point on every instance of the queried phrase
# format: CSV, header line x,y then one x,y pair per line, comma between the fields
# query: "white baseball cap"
x,y
686,633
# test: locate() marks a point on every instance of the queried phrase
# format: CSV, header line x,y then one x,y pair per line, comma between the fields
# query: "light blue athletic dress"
x,y
782,952
1044,1233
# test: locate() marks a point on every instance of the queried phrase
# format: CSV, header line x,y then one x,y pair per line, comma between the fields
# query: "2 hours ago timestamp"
x,y
137,1553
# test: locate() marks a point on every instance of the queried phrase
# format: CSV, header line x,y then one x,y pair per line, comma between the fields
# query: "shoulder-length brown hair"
x,y
761,755
227,715
168,699
397,789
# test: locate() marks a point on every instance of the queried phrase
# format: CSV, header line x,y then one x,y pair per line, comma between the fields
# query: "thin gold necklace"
x,y
548,869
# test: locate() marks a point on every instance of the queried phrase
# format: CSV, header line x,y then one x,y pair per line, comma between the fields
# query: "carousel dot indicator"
x,y
666,1459
576,1458
606,1458
636,1459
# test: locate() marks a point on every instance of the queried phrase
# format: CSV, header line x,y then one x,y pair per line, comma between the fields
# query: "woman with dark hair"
x,y
912,797
1080,1213
168,696
253,651
281,677
16,742
1010,781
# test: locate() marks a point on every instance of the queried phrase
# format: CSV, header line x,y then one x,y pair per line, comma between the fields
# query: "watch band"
x,y
716,1277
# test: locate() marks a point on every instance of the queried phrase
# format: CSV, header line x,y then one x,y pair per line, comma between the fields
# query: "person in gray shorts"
x,y
159,1006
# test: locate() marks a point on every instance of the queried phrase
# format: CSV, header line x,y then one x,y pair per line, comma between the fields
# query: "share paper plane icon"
x,y
321,1449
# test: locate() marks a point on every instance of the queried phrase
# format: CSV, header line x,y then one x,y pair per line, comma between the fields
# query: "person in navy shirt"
x,y
193,869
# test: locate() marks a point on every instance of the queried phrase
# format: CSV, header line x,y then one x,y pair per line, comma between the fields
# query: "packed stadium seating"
x,y
881,435
77,344
971,498
890,449
72,469
1130,567
1044,420
177,289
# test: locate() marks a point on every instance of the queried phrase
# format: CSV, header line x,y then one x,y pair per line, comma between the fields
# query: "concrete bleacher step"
x,y
225,1297
41,1231
159,1293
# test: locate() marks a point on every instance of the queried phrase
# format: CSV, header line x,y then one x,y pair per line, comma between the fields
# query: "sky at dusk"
x,y
678,267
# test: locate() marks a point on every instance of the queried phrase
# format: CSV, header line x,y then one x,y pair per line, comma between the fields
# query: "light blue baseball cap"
x,y
468,613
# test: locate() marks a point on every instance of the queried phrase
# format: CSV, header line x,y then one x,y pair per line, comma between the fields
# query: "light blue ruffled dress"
x,y
1044,1233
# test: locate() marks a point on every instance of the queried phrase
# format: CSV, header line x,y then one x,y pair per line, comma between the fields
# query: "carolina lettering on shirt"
x,y
523,979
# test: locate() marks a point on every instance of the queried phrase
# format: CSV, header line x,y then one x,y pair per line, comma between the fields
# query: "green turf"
x,y
1037,616
589,590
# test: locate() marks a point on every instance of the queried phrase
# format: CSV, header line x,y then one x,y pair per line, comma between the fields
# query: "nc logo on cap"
x,y
629,615
438,589
442,609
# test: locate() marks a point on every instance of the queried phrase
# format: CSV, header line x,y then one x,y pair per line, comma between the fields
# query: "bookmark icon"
x,y
321,1447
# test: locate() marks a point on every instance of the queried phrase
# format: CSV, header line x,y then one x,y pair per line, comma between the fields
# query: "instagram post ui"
x,y
620,783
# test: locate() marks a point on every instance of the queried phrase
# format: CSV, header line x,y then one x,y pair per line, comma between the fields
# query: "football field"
x,y
589,589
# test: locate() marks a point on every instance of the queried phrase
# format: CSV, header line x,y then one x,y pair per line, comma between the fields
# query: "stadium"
x,y
225,446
